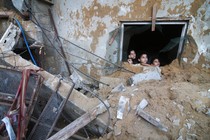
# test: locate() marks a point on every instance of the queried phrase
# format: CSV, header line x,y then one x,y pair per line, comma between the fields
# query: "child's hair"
x,y
154,60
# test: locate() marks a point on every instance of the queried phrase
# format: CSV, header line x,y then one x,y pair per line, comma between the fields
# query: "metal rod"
x,y
62,105
38,121
56,34
97,55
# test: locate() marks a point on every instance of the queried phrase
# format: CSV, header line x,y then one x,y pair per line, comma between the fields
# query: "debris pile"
x,y
170,108
136,102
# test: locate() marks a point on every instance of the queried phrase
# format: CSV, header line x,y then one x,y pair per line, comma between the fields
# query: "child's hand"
x,y
130,61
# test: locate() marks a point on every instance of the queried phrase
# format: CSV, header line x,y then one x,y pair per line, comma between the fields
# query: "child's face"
x,y
132,55
156,62
143,59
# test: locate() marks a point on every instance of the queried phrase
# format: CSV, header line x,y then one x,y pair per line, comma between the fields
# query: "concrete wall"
x,y
88,23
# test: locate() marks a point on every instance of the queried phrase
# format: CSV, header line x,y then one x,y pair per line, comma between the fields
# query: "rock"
x,y
208,112
205,94
142,104
121,106
117,129
118,88
188,125
191,136
180,138
199,106
176,122
152,94
181,108
113,82
149,73
109,135
172,95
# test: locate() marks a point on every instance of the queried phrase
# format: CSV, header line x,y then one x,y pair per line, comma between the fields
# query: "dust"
x,y
180,101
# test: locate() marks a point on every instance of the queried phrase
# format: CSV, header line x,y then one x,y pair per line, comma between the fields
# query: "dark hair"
x,y
154,59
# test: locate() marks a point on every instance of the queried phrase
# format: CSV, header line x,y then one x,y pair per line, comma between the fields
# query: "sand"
x,y
180,101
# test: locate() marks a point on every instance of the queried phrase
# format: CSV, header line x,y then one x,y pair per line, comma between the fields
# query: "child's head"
x,y
156,62
132,54
143,58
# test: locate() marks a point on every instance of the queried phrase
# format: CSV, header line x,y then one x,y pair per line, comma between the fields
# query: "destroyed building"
x,y
64,71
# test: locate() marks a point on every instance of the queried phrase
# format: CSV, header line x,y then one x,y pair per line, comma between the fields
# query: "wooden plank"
x,y
154,12
79,123
151,120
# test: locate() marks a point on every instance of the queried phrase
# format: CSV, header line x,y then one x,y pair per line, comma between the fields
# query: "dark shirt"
x,y
135,61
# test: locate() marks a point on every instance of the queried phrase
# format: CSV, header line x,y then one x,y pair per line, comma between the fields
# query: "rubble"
x,y
117,129
122,105
119,88
123,101
149,73
151,120
142,104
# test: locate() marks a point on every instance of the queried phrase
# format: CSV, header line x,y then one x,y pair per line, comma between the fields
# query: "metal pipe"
x,y
56,34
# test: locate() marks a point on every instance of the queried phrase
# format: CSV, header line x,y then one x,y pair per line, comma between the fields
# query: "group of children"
x,y
143,59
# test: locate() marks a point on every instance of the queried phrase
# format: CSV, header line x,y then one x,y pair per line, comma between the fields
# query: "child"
x,y
143,60
156,62
132,57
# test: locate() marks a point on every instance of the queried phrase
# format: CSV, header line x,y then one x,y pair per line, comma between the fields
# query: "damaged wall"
x,y
89,23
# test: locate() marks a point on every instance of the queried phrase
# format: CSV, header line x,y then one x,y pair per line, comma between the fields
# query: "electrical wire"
x,y
25,40
65,58
80,47
107,108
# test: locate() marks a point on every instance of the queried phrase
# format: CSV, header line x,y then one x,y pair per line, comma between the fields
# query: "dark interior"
x,y
162,43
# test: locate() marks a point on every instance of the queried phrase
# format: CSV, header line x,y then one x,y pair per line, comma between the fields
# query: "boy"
x,y
143,60
132,57
156,62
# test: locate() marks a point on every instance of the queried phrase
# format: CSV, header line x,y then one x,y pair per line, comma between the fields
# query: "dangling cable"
x,y
24,37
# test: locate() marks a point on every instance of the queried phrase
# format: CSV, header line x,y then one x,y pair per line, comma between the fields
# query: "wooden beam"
x,y
154,12
79,123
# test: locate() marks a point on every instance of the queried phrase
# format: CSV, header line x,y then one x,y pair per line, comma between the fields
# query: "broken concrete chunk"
x,y
121,106
102,108
151,120
117,129
173,119
142,104
119,88
176,122
188,125
199,106
79,81
205,93
149,73
172,95
10,38
191,136
208,112
181,109
112,82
